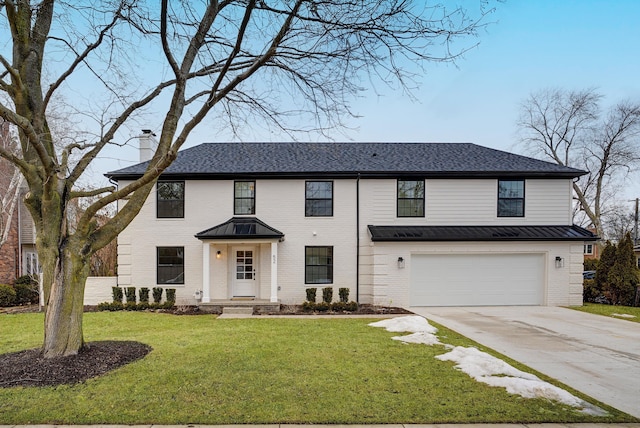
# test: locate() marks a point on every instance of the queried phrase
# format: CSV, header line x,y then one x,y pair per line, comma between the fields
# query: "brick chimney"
x,y
148,145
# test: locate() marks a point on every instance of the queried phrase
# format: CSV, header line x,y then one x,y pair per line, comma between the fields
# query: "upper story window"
x,y
318,265
318,199
588,249
170,199
410,198
244,197
510,198
170,265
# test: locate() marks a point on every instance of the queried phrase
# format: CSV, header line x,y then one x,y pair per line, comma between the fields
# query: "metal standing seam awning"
x,y
237,229
479,233
241,228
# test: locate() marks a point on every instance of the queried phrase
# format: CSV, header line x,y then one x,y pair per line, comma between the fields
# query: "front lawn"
x,y
621,312
204,370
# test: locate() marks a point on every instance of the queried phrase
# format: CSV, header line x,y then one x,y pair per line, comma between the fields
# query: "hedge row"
x,y
342,304
129,293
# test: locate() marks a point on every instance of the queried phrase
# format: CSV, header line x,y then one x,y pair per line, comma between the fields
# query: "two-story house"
x,y
402,224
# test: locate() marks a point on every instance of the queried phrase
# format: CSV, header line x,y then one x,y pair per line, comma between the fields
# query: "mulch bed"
x,y
29,368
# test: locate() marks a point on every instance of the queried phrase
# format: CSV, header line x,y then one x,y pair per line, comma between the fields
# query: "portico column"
x,y
206,268
274,272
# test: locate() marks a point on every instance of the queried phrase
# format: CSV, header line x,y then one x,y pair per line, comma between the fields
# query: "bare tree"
x,y
10,183
293,64
617,222
568,129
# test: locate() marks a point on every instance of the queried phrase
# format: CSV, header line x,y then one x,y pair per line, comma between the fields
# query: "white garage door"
x,y
477,280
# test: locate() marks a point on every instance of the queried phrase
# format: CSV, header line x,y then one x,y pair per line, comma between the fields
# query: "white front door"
x,y
244,283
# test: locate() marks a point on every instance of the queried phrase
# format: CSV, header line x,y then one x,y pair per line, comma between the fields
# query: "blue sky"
x,y
531,45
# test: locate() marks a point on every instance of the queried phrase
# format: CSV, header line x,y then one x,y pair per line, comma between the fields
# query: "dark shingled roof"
x,y
343,160
241,228
480,233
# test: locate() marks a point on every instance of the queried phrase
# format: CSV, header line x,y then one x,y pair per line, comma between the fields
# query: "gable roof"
x,y
480,233
346,160
241,228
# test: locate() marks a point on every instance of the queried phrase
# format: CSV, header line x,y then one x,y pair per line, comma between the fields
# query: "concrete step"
x,y
235,310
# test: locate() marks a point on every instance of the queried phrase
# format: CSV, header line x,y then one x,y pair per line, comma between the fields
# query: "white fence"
x,y
97,290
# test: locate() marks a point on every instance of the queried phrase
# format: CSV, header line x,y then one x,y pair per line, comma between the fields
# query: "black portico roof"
x,y
241,228
344,160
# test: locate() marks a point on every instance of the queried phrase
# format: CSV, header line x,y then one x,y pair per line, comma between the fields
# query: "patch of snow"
x,y
495,372
421,337
408,324
484,367
623,315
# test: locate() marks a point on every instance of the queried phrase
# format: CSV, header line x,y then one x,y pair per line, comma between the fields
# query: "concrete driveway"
x,y
596,355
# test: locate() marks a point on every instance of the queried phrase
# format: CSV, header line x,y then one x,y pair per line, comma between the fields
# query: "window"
x,y
410,198
318,265
510,198
170,265
588,249
170,198
244,195
32,266
318,199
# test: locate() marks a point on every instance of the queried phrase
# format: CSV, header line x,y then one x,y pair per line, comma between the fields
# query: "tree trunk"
x,y
64,307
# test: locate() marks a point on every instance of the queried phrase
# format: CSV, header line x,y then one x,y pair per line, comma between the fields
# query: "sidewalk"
x,y
632,425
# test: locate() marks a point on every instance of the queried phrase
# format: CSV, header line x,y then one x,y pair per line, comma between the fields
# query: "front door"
x,y
245,272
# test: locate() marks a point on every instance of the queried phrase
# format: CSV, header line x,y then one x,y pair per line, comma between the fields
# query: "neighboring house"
x,y
402,224
18,255
591,250
636,251
17,231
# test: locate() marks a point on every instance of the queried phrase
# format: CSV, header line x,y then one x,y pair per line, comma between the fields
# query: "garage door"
x,y
477,280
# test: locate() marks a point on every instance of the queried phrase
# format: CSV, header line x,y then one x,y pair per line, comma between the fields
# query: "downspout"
x,y
19,219
358,238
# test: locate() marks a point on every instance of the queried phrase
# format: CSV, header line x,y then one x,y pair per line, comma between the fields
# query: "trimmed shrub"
x,y
311,294
351,306
343,293
27,291
308,306
322,307
157,294
171,295
130,294
117,294
338,306
110,306
7,295
327,295
144,295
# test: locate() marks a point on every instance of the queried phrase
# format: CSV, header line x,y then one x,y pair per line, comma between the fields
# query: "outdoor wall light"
x,y
400,263
218,254
559,262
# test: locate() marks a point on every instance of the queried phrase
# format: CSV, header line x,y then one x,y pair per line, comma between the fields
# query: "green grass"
x,y
203,370
609,310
